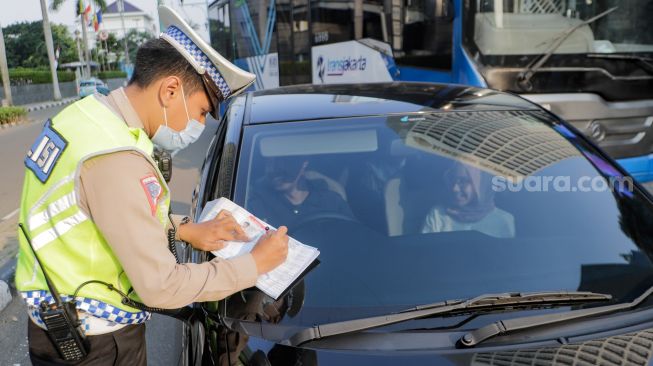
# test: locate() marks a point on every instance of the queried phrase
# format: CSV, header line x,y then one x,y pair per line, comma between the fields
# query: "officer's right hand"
x,y
271,250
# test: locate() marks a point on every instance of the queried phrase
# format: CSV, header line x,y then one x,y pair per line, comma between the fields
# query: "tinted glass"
x,y
421,208
220,29
251,33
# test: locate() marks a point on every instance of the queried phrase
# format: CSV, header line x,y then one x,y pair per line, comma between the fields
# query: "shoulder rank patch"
x,y
46,151
153,191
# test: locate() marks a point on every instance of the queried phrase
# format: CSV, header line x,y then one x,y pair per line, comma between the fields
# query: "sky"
x,y
12,11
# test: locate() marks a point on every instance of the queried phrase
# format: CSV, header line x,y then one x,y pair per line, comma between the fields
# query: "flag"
x,y
88,10
96,24
99,16
80,7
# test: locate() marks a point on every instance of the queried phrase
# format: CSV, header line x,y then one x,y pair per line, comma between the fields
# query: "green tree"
x,y
135,38
25,44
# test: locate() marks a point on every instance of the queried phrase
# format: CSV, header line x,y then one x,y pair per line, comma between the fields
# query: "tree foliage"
x,y
135,38
25,44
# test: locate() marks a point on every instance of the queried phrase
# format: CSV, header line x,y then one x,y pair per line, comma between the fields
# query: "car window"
x,y
426,207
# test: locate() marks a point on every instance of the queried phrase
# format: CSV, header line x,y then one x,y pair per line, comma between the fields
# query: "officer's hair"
x,y
156,59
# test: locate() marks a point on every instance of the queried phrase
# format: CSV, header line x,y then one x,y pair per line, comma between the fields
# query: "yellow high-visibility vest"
x,y
69,244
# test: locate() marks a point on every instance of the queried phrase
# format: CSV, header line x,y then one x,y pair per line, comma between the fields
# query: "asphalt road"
x,y
163,334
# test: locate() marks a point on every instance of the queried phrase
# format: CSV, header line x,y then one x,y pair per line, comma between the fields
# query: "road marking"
x,y
10,215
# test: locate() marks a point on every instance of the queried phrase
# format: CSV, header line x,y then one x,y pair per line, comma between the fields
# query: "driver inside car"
x,y
469,205
290,193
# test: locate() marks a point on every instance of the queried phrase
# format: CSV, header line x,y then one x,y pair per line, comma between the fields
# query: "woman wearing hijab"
x,y
470,206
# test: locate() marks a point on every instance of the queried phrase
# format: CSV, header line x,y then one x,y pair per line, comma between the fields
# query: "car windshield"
x,y
420,208
526,27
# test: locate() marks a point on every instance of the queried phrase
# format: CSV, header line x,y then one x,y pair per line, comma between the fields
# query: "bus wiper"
x,y
524,78
482,302
646,63
504,326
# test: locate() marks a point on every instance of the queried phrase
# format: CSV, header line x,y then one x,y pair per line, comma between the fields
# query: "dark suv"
x,y
456,225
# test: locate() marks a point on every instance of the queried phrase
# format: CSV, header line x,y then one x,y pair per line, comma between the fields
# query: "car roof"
x,y
307,101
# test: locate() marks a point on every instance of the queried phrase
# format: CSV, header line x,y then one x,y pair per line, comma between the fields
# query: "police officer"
x,y
95,205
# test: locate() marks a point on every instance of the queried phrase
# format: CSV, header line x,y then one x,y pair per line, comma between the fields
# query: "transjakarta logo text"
x,y
340,66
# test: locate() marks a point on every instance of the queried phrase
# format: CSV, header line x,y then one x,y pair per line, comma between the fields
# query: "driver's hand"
x,y
271,250
213,234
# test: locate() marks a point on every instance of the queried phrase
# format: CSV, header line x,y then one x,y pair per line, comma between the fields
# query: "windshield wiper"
x,y
504,326
482,302
645,62
524,78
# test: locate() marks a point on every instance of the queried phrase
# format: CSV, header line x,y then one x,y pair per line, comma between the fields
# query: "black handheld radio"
x,y
163,160
61,320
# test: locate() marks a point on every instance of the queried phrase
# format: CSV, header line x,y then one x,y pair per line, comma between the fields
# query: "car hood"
x,y
634,348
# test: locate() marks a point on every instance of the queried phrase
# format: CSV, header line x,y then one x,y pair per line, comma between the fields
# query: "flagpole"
x,y
87,55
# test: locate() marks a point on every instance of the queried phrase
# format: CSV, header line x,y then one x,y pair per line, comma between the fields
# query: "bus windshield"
x,y
530,27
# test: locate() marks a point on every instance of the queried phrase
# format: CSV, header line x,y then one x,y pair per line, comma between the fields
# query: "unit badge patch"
x,y
46,151
153,191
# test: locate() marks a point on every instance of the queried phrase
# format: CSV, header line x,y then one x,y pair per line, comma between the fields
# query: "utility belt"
x,y
96,317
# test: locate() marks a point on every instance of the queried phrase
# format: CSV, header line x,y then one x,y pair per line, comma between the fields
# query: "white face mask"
x,y
173,141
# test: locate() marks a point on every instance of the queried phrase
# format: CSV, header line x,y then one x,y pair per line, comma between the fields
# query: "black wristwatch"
x,y
184,221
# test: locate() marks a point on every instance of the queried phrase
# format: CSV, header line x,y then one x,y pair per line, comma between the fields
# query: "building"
x,y
512,149
135,18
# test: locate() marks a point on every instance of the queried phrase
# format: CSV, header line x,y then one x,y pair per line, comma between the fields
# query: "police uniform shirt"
x,y
113,194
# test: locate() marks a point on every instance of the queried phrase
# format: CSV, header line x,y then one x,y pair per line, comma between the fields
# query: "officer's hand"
x,y
271,250
212,235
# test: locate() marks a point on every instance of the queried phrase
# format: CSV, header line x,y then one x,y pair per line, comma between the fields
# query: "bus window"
x,y
294,43
250,27
426,35
332,21
220,28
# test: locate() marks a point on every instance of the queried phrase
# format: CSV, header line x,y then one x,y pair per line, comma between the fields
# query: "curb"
x,y
50,104
6,274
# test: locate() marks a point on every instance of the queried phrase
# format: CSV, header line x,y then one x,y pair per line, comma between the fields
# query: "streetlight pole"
x,y
4,69
48,43
124,32
79,50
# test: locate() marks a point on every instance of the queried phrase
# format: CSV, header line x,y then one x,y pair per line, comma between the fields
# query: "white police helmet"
x,y
221,77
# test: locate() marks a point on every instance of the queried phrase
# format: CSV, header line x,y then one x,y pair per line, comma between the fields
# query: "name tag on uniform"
x,y
46,151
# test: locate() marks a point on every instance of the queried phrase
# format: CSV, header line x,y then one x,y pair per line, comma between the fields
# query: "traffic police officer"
x,y
95,205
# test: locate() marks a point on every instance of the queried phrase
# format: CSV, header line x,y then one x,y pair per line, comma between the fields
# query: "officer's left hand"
x,y
212,235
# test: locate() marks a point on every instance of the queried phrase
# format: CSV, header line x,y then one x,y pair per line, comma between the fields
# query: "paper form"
x,y
275,282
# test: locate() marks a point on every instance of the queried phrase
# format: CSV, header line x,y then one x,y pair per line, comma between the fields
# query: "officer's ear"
x,y
169,89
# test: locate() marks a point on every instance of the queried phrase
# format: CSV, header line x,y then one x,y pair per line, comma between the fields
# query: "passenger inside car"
x,y
469,205
290,193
